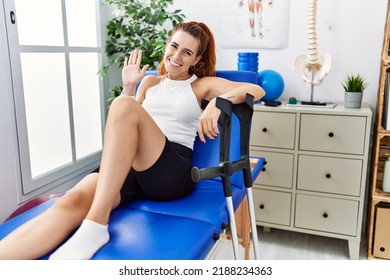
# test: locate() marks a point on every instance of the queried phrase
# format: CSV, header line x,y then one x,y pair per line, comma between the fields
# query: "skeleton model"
x,y
312,68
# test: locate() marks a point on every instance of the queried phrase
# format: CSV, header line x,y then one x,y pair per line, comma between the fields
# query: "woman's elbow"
x,y
257,92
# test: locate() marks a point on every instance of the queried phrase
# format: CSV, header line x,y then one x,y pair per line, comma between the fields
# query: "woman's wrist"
x,y
128,90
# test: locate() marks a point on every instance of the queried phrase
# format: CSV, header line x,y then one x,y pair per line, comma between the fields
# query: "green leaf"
x,y
354,83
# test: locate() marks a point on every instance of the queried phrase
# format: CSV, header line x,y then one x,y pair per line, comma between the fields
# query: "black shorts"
x,y
168,179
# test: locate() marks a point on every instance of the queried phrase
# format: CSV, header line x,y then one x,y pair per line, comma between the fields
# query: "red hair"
x,y
207,62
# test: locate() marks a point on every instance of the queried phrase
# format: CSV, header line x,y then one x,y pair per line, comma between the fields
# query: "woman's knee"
x,y
123,106
81,196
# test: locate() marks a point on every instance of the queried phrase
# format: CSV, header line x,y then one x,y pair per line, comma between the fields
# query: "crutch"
x,y
244,112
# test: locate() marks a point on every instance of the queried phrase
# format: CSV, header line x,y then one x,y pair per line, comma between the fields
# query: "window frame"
x,y
77,167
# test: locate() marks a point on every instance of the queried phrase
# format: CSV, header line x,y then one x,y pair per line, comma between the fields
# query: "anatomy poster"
x,y
255,23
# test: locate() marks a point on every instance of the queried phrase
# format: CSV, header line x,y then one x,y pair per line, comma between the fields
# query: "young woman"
x,y
148,137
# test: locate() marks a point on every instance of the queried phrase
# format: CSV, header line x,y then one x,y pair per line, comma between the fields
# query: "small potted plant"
x,y
353,85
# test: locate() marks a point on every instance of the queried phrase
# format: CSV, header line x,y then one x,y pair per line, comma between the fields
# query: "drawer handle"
x,y
325,215
331,134
261,206
328,176
265,129
264,169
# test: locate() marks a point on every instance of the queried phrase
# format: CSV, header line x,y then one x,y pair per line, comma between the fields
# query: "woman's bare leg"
x,y
42,234
132,139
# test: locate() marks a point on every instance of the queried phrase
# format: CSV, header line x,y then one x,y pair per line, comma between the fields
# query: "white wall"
x,y
354,43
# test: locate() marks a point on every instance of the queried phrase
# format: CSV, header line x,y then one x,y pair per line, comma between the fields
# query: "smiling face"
x,y
180,54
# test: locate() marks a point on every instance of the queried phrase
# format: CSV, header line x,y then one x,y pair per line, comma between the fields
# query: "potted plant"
x,y
353,85
138,24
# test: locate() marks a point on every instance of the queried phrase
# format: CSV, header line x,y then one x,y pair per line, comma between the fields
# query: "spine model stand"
x,y
312,68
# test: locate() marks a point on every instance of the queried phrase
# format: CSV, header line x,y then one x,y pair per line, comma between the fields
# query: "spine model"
x,y
312,68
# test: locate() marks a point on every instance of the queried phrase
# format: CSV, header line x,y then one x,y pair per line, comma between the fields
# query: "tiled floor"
x,y
285,245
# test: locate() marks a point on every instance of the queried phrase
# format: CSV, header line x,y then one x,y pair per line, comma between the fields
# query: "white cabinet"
x,y
314,180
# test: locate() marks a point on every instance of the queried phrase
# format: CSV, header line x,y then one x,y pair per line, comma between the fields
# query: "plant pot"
x,y
353,99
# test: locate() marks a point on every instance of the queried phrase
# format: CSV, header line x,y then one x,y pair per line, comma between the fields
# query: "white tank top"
x,y
174,107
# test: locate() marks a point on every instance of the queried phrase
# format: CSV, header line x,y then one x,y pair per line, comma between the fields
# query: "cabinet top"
x,y
339,108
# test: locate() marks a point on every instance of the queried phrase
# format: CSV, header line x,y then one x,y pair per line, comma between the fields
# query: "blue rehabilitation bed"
x,y
187,228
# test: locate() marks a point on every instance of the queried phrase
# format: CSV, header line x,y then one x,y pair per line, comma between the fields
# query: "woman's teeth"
x,y
174,63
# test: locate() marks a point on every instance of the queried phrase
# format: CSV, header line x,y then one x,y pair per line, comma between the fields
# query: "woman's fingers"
x,y
132,55
208,122
143,71
136,57
139,57
200,133
208,128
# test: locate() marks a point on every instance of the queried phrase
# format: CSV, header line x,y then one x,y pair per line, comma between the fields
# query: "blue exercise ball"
x,y
272,83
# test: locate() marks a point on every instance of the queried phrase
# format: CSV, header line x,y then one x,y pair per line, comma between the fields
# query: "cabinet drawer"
x,y
338,134
326,214
272,207
276,130
278,172
329,175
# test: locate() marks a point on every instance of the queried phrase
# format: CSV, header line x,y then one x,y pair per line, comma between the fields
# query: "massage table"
x,y
186,228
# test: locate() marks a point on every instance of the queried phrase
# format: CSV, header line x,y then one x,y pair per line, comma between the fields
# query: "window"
x,y
55,53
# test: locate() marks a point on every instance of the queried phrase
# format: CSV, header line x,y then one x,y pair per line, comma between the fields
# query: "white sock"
x,y
85,242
